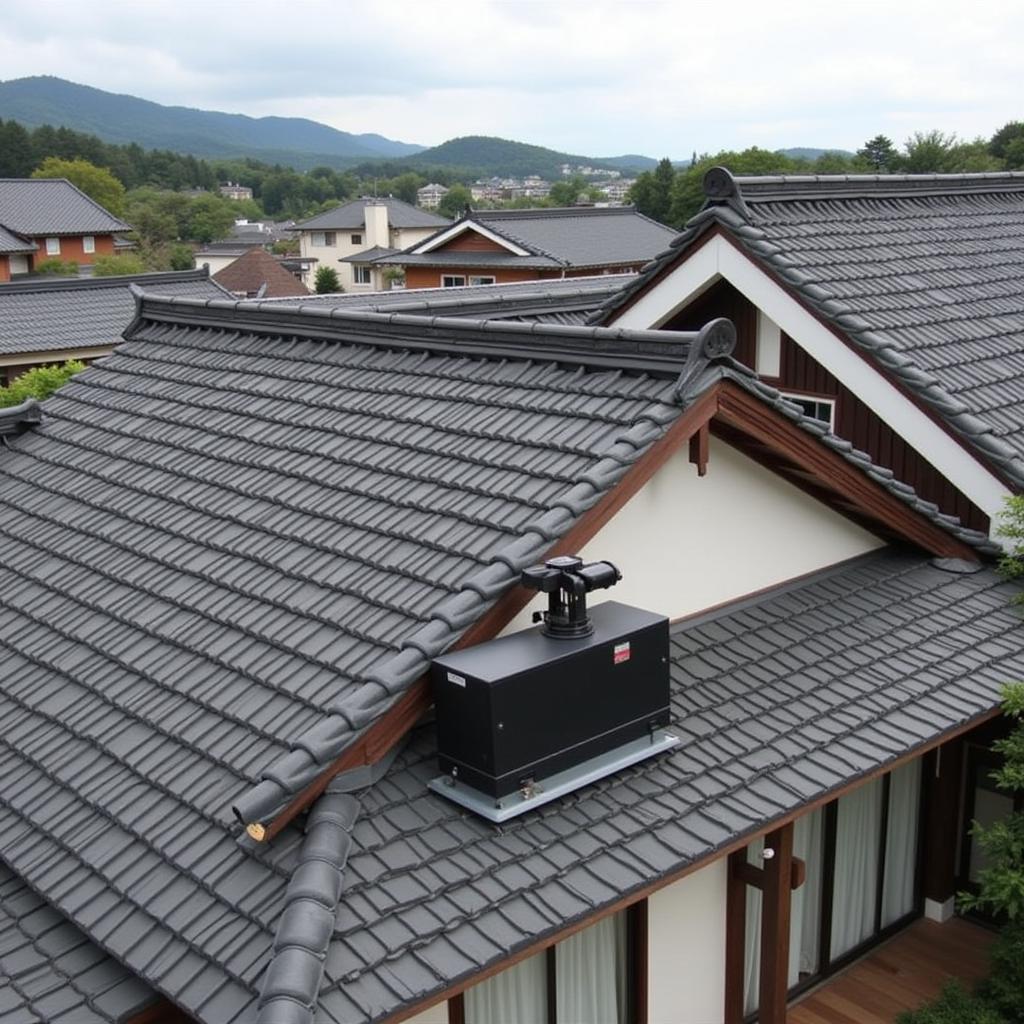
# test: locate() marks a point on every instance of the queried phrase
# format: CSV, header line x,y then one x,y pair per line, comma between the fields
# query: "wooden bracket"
x,y
699,448
744,871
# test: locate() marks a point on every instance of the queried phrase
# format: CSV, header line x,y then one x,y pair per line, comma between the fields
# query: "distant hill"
x,y
809,153
485,156
207,133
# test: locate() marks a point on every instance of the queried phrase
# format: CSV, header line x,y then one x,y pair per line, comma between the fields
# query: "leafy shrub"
x,y
326,281
954,1006
1003,990
122,263
39,383
59,268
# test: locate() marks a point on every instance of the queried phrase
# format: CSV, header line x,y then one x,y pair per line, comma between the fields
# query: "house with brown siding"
x,y
263,523
503,246
49,218
891,307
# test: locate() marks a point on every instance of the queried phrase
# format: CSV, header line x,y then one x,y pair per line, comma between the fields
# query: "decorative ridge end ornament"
x,y
720,184
18,418
715,342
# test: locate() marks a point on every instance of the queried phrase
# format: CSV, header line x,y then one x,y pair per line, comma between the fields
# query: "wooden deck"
x,y
907,971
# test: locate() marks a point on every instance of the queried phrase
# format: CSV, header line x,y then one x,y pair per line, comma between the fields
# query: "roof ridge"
x,y
41,284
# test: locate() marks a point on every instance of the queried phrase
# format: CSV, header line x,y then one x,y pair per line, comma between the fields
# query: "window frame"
x,y
820,401
361,270
52,246
88,244
355,239
475,280
453,280
329,239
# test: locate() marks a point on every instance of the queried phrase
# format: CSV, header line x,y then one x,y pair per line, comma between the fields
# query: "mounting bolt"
x,y
767,853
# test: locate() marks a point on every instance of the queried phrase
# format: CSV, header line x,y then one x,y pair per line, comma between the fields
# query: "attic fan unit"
x,y
527,718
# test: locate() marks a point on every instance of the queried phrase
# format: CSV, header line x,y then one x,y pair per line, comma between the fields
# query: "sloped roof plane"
x,y
923,273
352,216
53,206
233,544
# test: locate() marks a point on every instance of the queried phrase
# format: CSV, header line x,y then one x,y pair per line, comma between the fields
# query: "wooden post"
x,y
775,912
941,769
699,445
735,936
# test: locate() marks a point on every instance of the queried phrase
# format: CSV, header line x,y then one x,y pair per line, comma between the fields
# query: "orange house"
x,y
504,246
49,218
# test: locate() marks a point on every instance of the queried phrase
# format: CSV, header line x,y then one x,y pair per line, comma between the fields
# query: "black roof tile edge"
x,y
16,419
320,745
918,382
749,380
292,980
660,353
91,284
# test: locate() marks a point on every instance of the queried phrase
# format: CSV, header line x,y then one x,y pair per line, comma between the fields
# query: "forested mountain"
x,y
295,141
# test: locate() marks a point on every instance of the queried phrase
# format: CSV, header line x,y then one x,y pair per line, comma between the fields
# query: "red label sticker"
x,y
620,653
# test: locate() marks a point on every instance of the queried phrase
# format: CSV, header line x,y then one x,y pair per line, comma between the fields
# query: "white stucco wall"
x,y
686,949
684,543
216,263
435,1015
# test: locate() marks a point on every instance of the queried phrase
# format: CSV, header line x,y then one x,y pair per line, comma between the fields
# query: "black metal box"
x,y
523,707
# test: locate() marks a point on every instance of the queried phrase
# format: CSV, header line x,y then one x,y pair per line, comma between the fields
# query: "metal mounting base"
x,y
545,790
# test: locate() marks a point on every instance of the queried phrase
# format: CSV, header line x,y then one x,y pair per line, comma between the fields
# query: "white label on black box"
x,y
457,680
620,653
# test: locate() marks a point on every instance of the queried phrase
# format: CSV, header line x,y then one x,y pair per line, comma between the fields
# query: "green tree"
x,y
405,187
880,154
929,153
651,193
16,158
39,383
1011,132
326,281
455,201
209,217
1014,158
180,257
96,182
565,193
122,263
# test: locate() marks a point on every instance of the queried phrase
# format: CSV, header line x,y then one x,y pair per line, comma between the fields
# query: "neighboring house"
x,y
49,218
231,551
351,237
233,191
430,196
245,236
258,275
49,320
569,300
891,307
501,246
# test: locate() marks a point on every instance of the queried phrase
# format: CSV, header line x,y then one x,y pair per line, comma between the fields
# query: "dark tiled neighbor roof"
x,y
924,273
41,314
778,700
233,536
50,973
11,243
351,216
564,300
53,206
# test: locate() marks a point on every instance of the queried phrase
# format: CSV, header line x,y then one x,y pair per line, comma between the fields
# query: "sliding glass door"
x,y
861,854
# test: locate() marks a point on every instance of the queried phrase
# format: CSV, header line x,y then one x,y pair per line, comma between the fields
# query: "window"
x,y
481,280
823,409
362,275
356,239
88,243
452,281
322,239
53,247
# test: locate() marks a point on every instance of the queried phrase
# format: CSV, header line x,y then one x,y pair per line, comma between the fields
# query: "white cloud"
x,y
597,78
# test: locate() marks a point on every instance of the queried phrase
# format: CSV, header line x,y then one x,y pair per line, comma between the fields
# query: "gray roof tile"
x,y
352,216
53,206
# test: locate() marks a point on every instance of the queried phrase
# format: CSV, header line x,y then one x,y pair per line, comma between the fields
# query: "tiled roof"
x,y
369,255
925,274
260,520
779,701
352,216
50,973
13,243
53,206
258,271
41,314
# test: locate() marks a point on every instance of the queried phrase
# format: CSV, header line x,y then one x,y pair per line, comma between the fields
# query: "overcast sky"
x,y
593,78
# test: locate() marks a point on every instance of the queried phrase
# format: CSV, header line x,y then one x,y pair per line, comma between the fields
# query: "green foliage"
x,y
1011,526
455,201
39,383
326,281
122,263
96,182
651,193
879,154
567,192
180,257
1000,143
57,267
954,1006
1003,989
285,247
209,217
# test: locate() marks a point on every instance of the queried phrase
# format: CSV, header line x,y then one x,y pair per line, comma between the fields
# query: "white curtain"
x,y
901,842
858,831
590,975
805,920
516,996
752,943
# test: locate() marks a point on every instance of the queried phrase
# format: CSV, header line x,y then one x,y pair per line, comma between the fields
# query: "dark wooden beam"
x,y
942,771
457,1009
735,936
639,962
699,445
775,913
